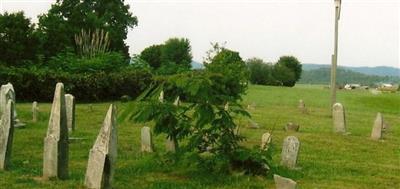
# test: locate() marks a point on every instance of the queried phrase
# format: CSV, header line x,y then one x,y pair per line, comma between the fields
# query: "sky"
x,y
369,33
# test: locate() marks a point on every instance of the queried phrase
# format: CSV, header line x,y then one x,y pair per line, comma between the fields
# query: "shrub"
x,y
38,84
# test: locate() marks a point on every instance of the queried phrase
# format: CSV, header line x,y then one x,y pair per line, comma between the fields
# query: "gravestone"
x,y
6,135
284,183
170,145
292,127
290,150
302,106
147,140
376,133
35,111
55,156
161,97
252,124
251,106
8,93
339,118
177,101
265,141
70,108
103,155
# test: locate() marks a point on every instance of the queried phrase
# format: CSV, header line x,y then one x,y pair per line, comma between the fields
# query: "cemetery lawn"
x,y
326,160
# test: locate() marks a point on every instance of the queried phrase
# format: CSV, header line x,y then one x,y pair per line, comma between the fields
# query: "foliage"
x,y
72,63
18,41
90,43
284,73
66,18
174,56
152,55
322,76
177,51
230,65
38,84
293,64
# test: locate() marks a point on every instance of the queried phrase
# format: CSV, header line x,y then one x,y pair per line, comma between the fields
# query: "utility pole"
x,y
335,53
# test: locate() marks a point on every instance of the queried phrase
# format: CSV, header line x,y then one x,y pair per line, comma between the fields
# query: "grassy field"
x,y
326,160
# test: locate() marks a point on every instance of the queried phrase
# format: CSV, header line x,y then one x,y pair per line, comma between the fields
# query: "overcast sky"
x,y
368,29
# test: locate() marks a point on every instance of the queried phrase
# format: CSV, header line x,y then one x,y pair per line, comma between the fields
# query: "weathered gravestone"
x,y
252,124
6,135
147,140
292,127
265,141
70,108
35,111
339,118
302,106
103,155
284,183
55,156
290,150
376,133
7,92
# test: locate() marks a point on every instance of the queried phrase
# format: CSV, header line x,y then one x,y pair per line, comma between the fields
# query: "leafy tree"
x,y
177,51
260,72
284,75
152,55
18,42
229,64
68,17
293,64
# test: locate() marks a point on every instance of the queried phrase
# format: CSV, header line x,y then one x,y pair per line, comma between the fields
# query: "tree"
x,y
177,51
229,64
18,42
66,18
293,64
284,75
260,72
152,55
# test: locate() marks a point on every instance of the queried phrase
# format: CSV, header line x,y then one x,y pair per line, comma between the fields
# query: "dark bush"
x,y
39,84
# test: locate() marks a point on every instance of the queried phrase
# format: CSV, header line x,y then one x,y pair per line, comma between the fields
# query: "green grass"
x,y
326,160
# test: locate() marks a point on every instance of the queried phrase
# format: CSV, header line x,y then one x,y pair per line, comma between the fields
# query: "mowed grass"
x,y
326,160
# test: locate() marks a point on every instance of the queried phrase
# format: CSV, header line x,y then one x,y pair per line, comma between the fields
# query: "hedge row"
x,y
39,84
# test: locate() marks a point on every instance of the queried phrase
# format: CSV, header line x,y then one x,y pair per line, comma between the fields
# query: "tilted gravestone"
x,y
339,118
147,139
376,133
172,144
6,135
70,108
55,156
290,151
35,111
103,155
7,92
284,183
265,141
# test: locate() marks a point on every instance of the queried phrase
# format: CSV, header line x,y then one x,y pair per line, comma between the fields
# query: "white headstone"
x,y
70,108
55,156
284,183
265,141
147,140
103,155
339,118
6,135
35,111
376,133
161,97
8,93
290,150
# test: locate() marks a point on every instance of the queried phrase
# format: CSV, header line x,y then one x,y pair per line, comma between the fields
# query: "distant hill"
x,y
378,70
322,76
197,65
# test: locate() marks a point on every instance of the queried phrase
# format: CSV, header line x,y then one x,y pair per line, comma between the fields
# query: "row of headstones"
x,y
102,156
339,121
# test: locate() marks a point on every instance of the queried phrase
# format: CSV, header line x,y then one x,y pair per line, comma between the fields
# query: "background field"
x,y
326,160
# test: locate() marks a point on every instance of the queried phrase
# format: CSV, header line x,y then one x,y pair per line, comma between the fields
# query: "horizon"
x,y
368,30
